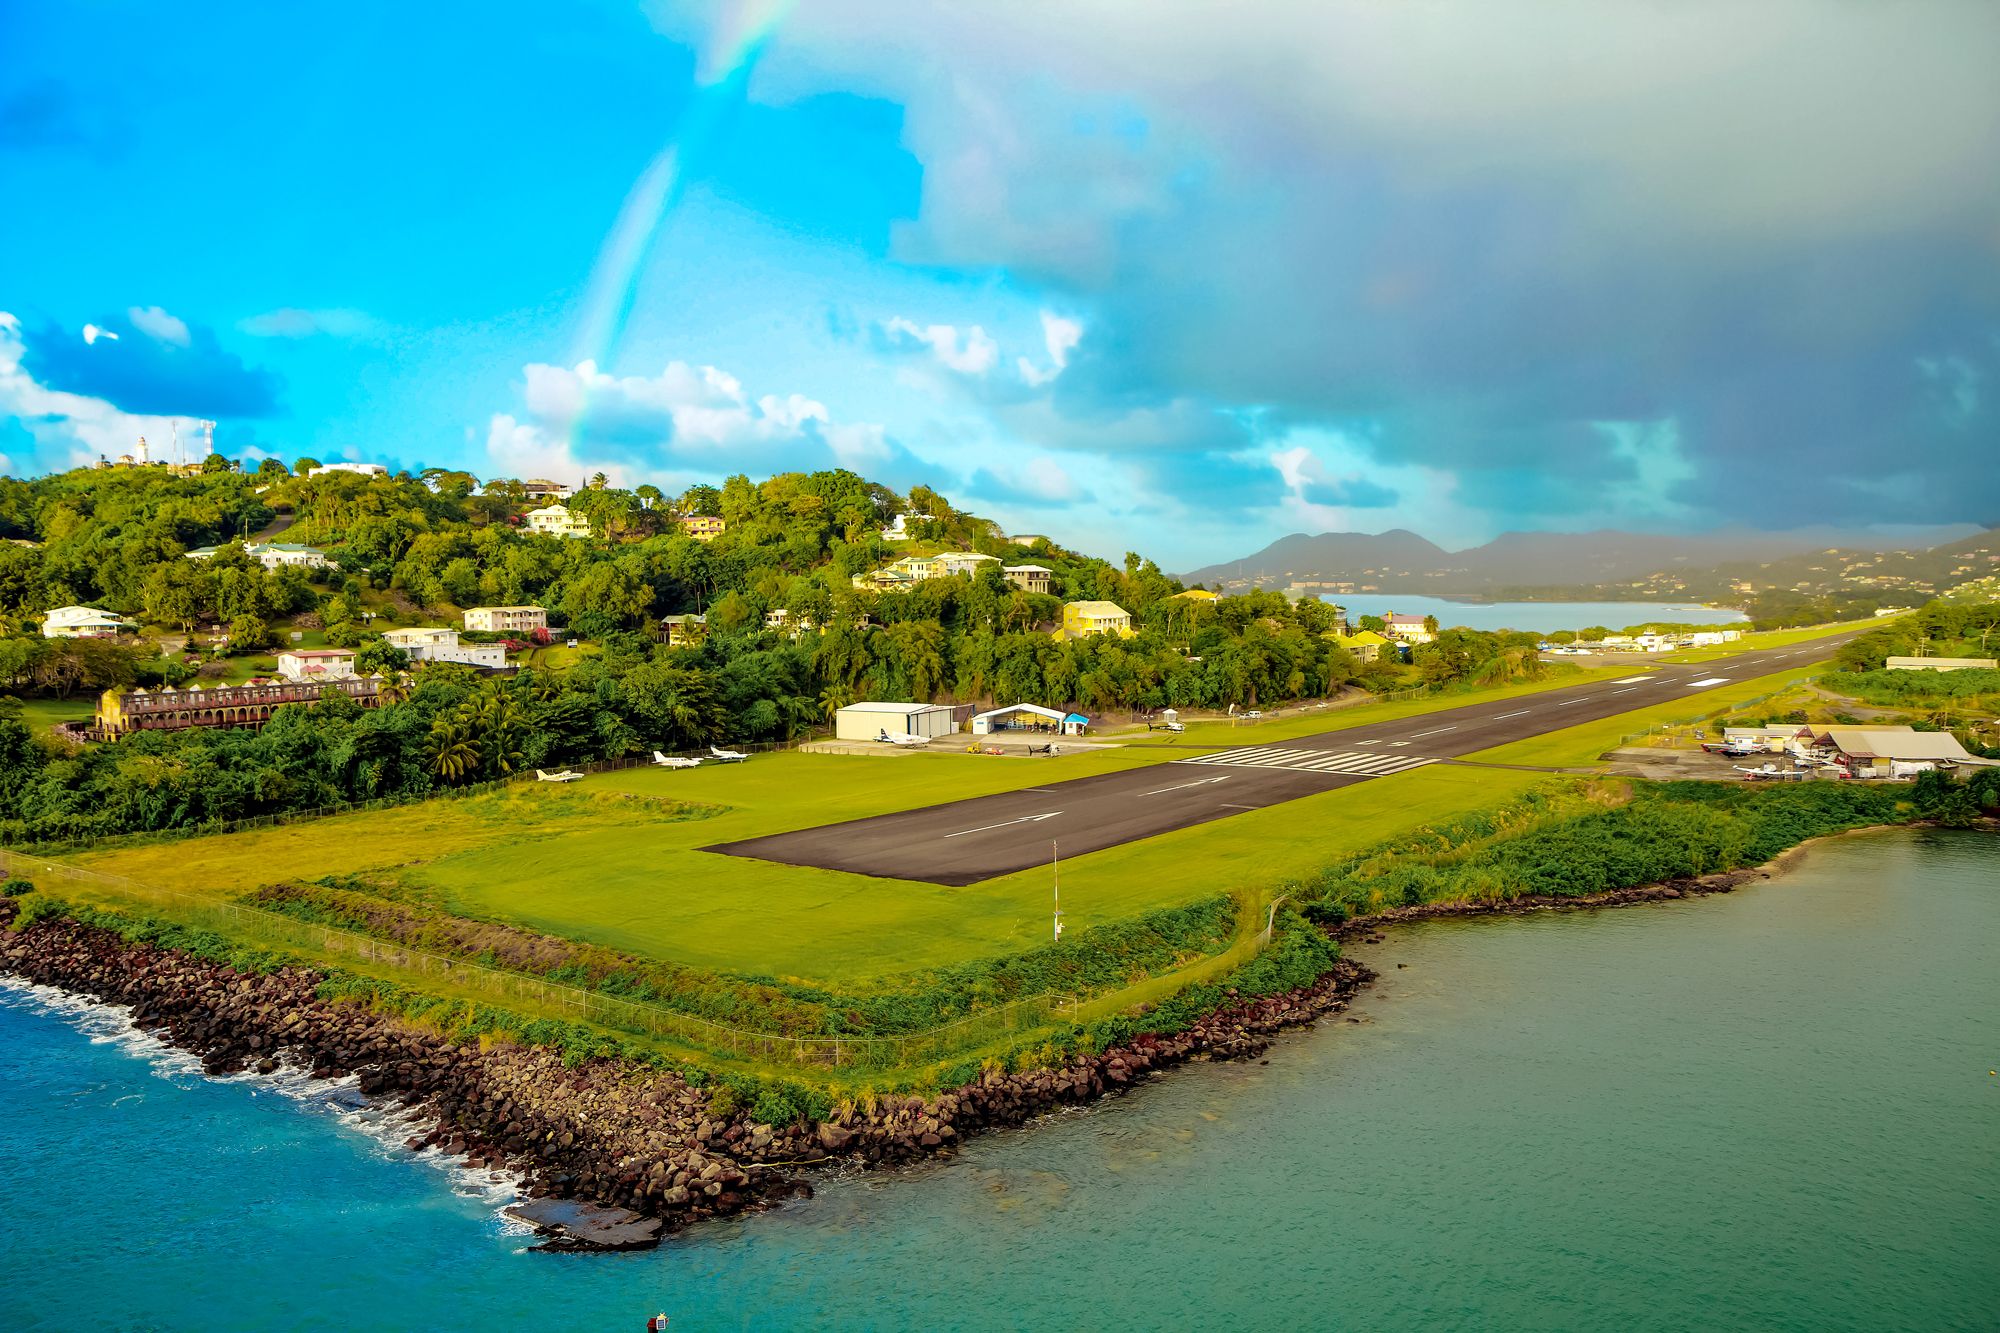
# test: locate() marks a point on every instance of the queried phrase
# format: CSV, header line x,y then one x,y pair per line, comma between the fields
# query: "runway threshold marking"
x,y
1024,819
1198,782
1631,680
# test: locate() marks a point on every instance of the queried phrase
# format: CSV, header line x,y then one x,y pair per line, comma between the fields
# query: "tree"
x,y
834,698
451,752
304,466
217,463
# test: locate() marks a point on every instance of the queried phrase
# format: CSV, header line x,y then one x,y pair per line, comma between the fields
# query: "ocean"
x,y
1771,1109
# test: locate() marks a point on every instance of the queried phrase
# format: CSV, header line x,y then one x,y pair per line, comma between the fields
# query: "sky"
x,y
1171,278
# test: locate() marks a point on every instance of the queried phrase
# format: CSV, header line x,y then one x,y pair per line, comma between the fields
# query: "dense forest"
x,y
416,549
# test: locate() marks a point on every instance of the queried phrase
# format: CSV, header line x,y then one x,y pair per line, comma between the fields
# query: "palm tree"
x,y
452,754
834,698
496,720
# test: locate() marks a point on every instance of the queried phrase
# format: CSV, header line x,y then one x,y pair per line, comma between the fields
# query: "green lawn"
x,y
41,714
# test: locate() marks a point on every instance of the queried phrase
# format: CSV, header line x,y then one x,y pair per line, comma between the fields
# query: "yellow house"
x,y
1081,619
1366,646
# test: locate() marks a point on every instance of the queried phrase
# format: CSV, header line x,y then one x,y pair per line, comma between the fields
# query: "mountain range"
x,y
1403,561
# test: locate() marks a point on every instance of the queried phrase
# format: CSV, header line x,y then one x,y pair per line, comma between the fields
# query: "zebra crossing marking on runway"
x,y
1364,762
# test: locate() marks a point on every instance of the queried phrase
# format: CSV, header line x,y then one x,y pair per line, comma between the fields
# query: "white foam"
x,y
388,1127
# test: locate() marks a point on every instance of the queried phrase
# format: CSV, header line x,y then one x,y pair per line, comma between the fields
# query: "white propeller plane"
x,y
564,775
728,756
883,735
675,761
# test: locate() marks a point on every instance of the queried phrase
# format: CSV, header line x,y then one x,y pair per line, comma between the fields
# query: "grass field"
x,y
601,862
41,714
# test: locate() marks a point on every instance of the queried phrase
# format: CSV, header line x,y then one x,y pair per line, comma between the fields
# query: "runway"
x,y
964,842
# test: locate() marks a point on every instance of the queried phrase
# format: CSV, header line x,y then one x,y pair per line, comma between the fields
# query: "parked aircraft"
x,y
728,756
566,775
675,761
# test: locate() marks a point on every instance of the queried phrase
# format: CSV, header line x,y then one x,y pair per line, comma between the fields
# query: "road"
x,y
964,842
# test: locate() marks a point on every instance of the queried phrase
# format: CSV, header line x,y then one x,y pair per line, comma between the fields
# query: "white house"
x,y
898,529
1406,629
558,521
437,644
866,721
316,664
272,555
1942,664
358,469
953,563
506,619
82,622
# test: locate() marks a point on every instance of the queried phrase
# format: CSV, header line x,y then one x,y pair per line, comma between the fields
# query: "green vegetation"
x,y
1573,839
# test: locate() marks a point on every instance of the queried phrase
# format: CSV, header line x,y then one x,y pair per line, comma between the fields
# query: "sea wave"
x,y
387,1128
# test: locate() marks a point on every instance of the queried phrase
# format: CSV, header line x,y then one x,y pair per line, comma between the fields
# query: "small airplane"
x,y
883,735
1049,749
563,775
728,756
675,761
1734,749
1769,771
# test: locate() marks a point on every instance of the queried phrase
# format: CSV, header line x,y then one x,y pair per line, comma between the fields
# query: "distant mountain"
x,y
1402,561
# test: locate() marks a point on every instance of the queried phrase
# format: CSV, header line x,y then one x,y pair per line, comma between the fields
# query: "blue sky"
x,y
1177,280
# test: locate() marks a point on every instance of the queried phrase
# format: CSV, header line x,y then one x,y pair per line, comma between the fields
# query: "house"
x,y
866,721
558,521
1776,740
1888,752
1366,646
506,619
439,644
1029,578
783,621
1027,538
82,622
120,712
272,555
358,469
316,663
1943,664
1407,629
703,527
541,488
1709,638
1030,718
953,563
685,631
1082,619
898,529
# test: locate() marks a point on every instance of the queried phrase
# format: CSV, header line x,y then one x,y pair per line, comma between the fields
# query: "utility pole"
x,y
1055,869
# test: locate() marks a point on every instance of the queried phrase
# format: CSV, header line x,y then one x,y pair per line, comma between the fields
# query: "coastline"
x,y
612,1155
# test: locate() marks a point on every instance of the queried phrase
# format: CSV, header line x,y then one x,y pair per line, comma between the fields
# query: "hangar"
x,y
866,721
1029,717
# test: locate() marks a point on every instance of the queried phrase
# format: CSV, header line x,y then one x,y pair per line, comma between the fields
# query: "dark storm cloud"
x,y
142,372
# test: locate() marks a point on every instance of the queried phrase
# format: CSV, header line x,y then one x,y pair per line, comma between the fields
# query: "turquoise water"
x,y
1768,1110
1536,617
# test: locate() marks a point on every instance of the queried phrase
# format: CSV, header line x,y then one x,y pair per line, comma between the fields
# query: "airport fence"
x,y
541,997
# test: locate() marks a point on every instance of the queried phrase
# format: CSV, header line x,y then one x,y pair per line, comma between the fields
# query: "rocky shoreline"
x,y
612,1155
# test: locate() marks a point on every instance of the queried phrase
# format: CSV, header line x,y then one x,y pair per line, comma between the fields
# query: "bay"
x,y
1771,1109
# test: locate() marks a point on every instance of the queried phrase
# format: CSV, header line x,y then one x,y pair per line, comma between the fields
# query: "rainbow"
x,y
721,81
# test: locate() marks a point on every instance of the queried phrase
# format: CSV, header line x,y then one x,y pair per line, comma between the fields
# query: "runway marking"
x,y
1198,782
1627,690
1712,680
1362,762
1567,702
1433,732
1504,716
1230,805
1631,680
1398,742
1005,823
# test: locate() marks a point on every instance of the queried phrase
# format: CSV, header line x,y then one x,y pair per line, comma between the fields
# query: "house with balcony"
x,y
1029,578
440,644
558,521
316,663
121,712
703,527
506,619
82,622
1407,629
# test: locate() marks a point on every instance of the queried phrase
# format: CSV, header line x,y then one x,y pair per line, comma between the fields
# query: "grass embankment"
x,y
42,714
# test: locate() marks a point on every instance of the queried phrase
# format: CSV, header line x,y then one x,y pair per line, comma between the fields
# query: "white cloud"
x,y
158,325
91,333
971,352
1060,336
69,430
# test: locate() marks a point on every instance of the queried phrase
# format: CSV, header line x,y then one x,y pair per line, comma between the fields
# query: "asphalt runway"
x,y
964,842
